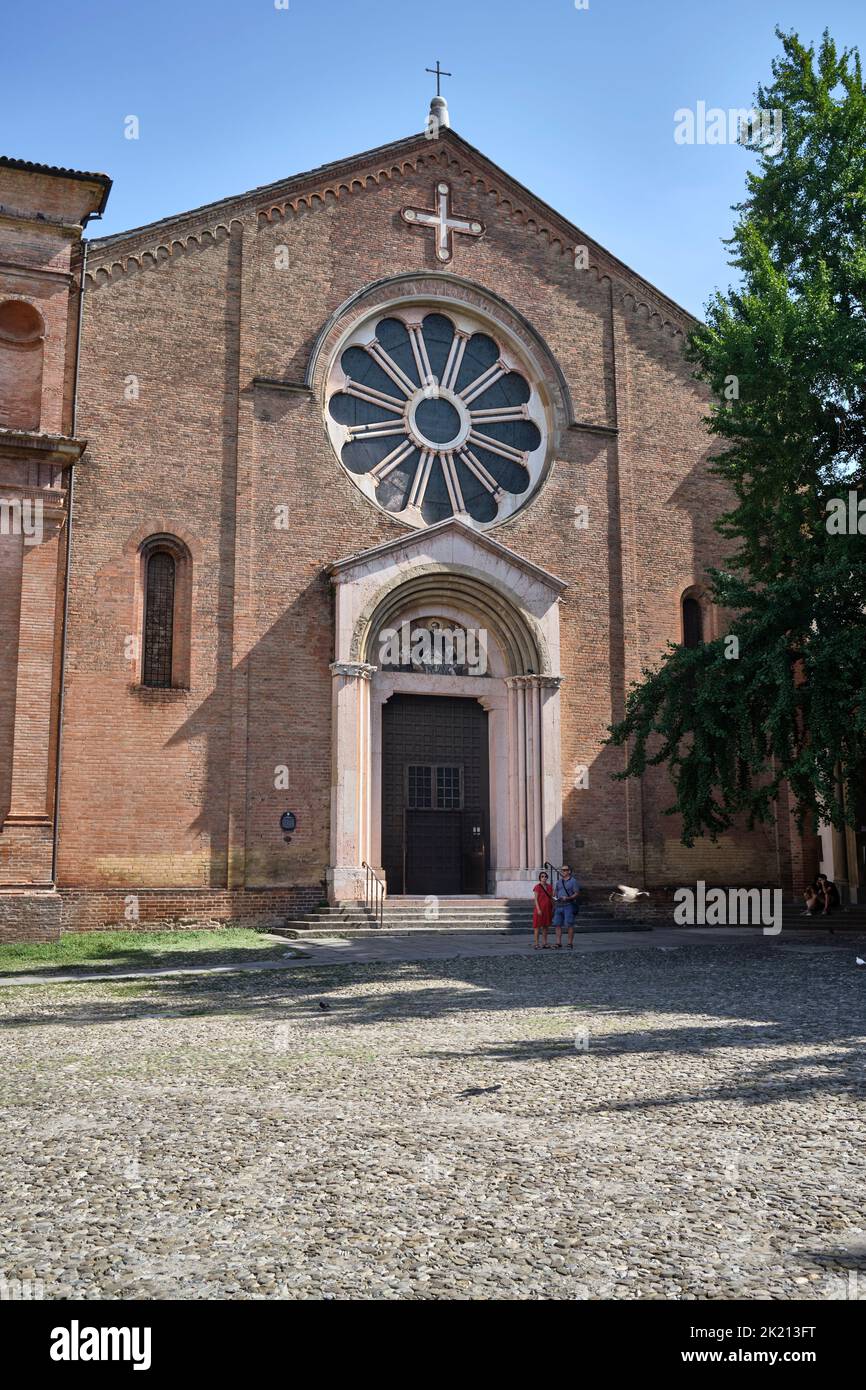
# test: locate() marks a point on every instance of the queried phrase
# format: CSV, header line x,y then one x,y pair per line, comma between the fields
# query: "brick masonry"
x,y
41,216
88,909
30,915
175,789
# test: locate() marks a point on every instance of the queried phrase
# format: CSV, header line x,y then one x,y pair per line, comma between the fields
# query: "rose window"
x,y
433,416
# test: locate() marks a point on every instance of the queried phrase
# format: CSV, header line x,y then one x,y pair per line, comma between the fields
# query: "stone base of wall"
x,y
35,915
30,914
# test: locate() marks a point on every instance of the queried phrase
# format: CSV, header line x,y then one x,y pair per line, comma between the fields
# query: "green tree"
x,y
789,344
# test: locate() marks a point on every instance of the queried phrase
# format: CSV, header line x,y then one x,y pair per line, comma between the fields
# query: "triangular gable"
x,y
420,541
345,176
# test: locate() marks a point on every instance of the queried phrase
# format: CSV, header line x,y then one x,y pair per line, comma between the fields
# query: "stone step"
x,y
336,933
418,919
586,923
304,924
480,910
486,904
522,906
444,911
421,904
403,915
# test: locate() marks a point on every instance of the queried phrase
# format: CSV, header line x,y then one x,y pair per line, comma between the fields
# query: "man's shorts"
x,y
563,916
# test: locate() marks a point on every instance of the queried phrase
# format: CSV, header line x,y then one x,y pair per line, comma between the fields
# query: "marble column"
x,y
350,779
534,773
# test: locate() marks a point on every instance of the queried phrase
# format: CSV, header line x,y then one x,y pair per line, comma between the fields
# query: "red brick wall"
x,y
177,789
161,463
10,607
39,246
22,332
29,916
46,252
89,909
44,916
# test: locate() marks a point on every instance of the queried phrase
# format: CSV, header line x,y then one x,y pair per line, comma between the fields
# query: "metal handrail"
x,y
552,872
374,893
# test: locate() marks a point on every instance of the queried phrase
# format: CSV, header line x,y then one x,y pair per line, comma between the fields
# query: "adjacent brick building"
x,y
395,390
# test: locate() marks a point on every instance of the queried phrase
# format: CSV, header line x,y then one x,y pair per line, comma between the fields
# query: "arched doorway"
x,y
485,723
435,811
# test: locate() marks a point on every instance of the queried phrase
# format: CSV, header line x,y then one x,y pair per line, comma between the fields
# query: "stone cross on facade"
x,y
445,225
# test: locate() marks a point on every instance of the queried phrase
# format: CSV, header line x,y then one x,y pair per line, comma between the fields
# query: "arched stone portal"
x,y
473,584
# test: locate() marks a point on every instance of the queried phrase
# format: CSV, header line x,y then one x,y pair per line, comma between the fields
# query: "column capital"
x,y
360,670
538,682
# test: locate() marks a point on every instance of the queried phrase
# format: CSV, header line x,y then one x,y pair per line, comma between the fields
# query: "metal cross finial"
x,y
438,73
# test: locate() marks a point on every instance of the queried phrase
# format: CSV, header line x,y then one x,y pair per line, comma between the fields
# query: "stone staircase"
x,y
848,919
405,914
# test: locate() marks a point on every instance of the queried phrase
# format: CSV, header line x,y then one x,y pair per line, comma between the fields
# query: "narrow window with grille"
x,y
158,620
448,789
434,787
693,623
419,790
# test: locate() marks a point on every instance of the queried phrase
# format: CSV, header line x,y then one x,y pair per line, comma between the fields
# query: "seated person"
x,y
814,903
829,895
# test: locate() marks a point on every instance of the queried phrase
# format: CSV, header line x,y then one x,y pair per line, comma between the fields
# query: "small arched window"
x,y
693,621
166,616
158,620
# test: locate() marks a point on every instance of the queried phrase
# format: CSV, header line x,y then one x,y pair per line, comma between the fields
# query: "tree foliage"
x,y
792,337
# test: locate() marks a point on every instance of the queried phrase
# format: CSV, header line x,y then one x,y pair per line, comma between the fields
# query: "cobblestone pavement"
x,y
637,1123
384,946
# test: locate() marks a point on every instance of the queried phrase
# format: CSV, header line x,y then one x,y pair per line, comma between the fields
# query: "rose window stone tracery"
x,y
433,414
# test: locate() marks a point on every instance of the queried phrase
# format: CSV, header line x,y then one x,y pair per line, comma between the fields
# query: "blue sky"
x,y
577,104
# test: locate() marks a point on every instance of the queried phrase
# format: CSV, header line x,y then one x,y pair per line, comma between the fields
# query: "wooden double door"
x,y
435,795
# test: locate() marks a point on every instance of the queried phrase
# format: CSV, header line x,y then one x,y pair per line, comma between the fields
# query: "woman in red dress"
x,y
542,913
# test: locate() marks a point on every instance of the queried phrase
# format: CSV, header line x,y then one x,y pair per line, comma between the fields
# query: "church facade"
x,y
355,505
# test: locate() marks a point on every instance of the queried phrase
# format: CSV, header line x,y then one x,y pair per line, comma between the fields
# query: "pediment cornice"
x,y
450,154
418,545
